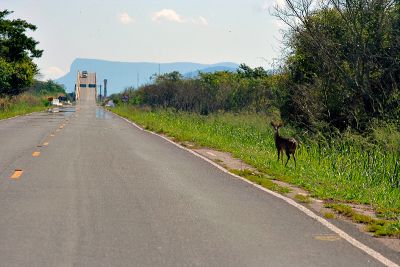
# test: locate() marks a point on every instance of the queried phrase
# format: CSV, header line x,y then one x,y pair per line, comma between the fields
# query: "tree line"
x,y
210,92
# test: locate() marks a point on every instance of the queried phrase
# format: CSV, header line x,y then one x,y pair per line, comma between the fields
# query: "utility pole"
x,y
105,88
100,92
159,69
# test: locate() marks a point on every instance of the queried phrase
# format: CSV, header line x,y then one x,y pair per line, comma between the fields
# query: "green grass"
x,y
385,229
348,211
261,180
341,170
19,110
329,215
343,209
302,198
20,105
376,226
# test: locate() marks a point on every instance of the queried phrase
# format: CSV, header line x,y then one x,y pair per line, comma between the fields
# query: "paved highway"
x,y
104,193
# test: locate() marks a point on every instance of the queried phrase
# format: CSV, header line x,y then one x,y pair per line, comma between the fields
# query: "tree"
x,y
245,71
173,76
17,51
343,61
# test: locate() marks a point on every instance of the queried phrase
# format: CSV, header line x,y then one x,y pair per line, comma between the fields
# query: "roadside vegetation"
x,y
379,227
34,98
17,51
337,91
20,93
19,105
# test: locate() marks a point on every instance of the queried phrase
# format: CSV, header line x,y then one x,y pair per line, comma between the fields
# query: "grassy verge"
x,y
20,105
376,226
261,180
342,172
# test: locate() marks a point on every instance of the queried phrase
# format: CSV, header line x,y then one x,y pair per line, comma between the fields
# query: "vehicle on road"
x,y
110,103
56,102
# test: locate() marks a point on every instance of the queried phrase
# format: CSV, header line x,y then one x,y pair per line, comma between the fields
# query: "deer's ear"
x,y
272,124
280,125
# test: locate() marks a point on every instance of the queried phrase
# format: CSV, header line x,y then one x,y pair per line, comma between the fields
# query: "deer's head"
x,y
276,126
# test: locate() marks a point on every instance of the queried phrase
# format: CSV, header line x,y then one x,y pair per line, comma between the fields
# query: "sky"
x,y
162,31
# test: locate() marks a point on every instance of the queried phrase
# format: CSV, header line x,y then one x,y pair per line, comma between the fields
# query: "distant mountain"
x,y
123,74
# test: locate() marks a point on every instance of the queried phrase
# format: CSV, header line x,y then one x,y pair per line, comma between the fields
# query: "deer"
x,y
288,145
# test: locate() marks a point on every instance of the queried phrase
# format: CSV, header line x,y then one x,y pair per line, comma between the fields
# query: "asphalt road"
x,y
104,193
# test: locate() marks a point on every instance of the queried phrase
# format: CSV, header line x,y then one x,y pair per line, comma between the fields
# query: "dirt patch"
x,y
224,159
187,144
364,209
293,189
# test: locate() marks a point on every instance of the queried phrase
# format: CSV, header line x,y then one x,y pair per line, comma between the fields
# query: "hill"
x,y
123,74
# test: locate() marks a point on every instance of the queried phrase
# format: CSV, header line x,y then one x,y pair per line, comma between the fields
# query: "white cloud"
x,y
124,18
167,14
172,15
52,73
268,4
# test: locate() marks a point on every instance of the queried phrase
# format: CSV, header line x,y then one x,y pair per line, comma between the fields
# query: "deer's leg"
x,y
294,160
288,157
279,154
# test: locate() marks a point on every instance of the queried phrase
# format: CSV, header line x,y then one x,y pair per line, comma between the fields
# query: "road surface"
x,y
104,193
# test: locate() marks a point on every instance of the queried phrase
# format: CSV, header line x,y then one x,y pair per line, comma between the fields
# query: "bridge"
x,y
86,86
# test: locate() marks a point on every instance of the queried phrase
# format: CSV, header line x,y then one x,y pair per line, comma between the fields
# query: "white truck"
x,y
56,102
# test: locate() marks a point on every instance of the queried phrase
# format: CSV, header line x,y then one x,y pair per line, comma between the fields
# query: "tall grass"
x,y
340,170
21,104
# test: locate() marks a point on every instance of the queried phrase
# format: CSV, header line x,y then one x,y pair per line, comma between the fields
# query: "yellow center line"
x,y
36,154
16,174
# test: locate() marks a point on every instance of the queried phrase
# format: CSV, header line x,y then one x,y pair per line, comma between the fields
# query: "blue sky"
x,y
203,31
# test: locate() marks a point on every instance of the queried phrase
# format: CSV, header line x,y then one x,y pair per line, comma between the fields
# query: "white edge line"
x,y
376,255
